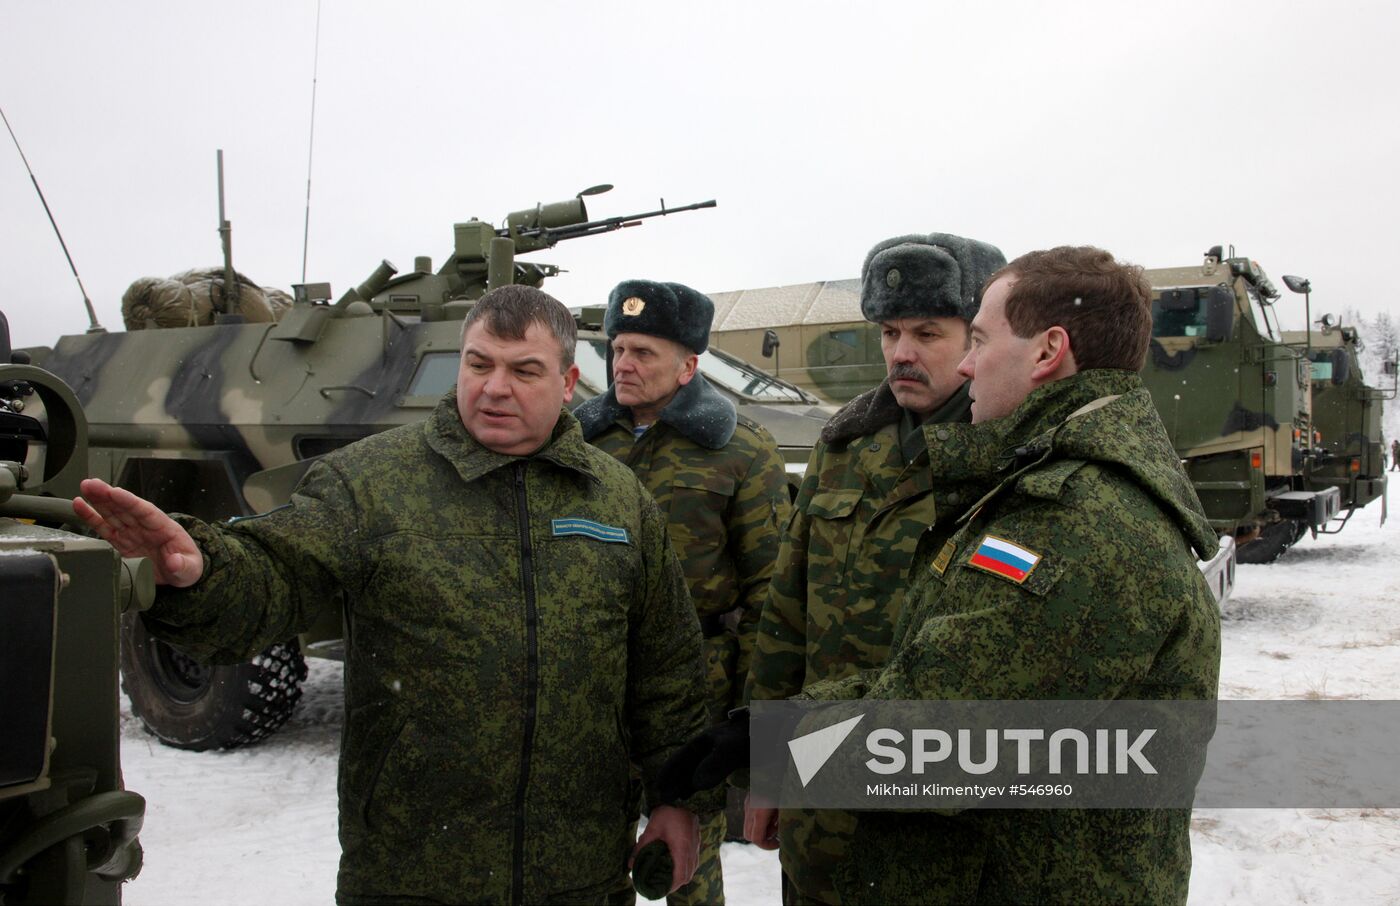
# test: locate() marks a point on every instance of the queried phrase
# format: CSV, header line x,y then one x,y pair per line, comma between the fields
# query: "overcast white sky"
x,y
1154,130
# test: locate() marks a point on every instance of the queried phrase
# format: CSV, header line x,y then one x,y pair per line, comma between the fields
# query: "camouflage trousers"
x,y
707,884
814,844
721,662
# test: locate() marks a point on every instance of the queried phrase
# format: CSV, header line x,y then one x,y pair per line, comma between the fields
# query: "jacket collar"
x,y
876,408
698,411
448,437
1105,416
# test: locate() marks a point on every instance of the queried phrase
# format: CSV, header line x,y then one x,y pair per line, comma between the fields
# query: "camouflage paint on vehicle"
x,y
223,420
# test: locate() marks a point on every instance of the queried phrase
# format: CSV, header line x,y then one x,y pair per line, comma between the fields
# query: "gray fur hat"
x,y
669,310
934,276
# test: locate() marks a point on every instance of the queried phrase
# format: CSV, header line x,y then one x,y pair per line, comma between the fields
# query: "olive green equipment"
x,y
68,828
1239,400
220,420
1349,450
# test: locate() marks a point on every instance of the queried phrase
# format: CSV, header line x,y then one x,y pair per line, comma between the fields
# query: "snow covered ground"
x,y
259,825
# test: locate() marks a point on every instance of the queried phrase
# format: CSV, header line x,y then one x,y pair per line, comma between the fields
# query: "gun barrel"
x,y
593,227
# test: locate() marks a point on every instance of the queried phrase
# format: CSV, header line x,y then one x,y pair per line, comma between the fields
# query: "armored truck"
x,y
1349,449
68,827
1244,406
222,419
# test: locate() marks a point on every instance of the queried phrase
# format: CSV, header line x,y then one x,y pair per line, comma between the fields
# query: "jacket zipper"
x,y
527,573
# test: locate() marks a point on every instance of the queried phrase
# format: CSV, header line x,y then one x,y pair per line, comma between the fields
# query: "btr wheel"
x,y
190,705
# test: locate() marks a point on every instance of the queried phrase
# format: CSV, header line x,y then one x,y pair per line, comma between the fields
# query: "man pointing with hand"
x,y
518,632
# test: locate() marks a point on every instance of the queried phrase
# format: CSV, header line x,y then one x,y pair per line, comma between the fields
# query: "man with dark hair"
x,y
718,477
1071,576
1080,483
867,497
517,627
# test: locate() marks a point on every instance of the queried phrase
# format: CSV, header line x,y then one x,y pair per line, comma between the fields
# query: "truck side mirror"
x,y
1220,313
770,343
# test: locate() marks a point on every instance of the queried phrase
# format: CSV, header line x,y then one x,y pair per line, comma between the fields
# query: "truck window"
x,y
1180,312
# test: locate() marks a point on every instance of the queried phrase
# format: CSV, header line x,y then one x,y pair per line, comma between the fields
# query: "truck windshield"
x,y
1180,312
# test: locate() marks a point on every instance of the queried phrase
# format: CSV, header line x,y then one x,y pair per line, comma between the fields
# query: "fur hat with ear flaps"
x,y
672,311
934,276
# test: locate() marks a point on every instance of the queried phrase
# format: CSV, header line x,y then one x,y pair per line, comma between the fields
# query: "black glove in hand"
x,y
652,870
707,760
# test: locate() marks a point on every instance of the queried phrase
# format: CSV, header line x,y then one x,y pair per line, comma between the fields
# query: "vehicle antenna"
x,y
93,326
311,141
231,288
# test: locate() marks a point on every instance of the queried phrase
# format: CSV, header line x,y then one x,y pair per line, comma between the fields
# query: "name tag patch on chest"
x,y
997,555
590,529
945,556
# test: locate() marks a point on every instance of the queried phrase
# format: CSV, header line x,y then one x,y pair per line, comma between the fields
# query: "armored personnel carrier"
x,y
68,828
223,419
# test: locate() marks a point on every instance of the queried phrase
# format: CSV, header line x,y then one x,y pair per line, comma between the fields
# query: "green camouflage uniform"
x,y
720,480
867,497
518,637
1083,475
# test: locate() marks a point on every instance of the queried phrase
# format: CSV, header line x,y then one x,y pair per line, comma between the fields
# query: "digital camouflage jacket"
x,y
720,480
1083,477
867,498
518,634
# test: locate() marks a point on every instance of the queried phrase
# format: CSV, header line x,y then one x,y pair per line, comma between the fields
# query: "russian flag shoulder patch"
x,y
1004,558
590,529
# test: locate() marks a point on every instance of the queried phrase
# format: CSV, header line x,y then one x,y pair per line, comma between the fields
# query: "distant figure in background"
x,y
1394,455
717,476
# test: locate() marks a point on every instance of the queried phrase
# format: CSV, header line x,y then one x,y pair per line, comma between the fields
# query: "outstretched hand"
x,y
137,528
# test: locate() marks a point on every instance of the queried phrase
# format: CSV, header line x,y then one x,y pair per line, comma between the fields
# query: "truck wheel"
x,y
1272,542
190,705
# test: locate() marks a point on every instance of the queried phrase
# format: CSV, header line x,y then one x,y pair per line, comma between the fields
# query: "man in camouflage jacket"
x,y
1101,600
517,626
717,476
867,497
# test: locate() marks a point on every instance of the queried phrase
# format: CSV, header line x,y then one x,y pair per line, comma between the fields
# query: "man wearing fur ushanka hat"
x,y
867,498
716,474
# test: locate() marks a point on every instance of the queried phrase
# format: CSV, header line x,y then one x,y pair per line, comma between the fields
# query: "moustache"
x,y
906,372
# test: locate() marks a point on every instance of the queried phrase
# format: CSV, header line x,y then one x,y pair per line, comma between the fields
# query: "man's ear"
x,y
570,380
1054,359
688,366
